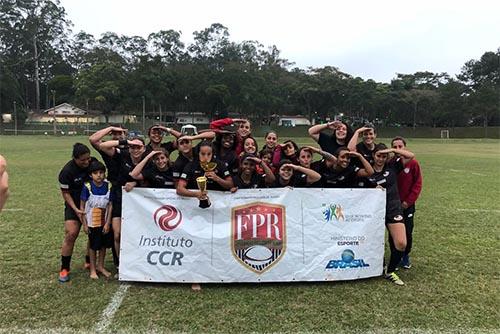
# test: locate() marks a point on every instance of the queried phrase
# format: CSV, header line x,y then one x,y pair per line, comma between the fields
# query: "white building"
x,y
293,121
191,118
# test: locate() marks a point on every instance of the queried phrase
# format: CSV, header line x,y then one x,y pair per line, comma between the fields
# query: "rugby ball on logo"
x,y
167,217
258,255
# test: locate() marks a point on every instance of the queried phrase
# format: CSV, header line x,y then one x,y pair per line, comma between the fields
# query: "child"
x,y
95,201
267,157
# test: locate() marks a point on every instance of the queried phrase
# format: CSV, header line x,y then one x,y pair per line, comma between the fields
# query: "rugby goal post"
x,y
445,134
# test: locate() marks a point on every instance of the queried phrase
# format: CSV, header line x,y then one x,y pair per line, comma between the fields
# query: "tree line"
x,y
42,62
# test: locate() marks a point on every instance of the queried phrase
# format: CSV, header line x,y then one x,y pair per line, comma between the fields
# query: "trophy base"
x,y
204,203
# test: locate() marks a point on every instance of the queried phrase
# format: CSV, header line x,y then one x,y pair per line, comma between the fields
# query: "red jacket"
x,y
410,182
220,123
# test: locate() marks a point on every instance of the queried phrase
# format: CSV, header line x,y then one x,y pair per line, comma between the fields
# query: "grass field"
x,y
452,287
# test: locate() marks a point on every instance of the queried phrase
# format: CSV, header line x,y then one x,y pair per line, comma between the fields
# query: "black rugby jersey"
x,y
72,178
156,178
256,181
193,170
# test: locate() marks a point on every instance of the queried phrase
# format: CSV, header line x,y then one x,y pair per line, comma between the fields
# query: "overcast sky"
x,y
370,39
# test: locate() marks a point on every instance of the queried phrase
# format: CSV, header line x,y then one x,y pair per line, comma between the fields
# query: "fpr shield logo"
x,y
258,235
333,212
167,217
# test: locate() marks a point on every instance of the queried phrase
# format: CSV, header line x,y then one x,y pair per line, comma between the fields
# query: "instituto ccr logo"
x,y
167,217
258,235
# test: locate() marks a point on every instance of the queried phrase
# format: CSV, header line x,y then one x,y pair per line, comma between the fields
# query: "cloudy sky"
x,y
370,39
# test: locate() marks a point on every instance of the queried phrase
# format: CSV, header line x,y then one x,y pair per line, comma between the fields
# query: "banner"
x,y
253,235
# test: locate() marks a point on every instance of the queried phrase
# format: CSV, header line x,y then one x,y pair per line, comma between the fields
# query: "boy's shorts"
x,y
98,240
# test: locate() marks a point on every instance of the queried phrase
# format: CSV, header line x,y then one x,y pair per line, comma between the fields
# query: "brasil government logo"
x,y
347,260
167,217
258,235
333,212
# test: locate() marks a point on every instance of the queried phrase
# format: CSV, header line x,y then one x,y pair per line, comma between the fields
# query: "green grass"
x,y
453,286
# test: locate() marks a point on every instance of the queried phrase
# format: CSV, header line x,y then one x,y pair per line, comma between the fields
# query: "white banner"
x,y
253,235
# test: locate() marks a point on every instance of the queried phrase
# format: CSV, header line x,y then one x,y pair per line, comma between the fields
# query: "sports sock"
x,y
87,259
396,257
115,256
65,261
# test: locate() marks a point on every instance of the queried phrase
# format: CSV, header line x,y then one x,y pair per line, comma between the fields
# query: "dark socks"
x,y
87,259
396,257
65,261
115,256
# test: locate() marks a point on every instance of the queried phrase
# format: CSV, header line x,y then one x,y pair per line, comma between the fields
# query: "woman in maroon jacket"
x,y
409,186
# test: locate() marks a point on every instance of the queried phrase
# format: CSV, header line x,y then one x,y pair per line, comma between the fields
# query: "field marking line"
x,y
13,209
479,210
110,310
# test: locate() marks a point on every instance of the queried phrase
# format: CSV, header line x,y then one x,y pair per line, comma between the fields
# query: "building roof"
x,y
65,109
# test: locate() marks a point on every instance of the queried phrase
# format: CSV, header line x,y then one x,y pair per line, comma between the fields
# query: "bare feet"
x,y
93,275
196,287
103,271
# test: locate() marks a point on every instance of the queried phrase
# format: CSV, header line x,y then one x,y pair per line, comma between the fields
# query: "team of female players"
x,y
239,164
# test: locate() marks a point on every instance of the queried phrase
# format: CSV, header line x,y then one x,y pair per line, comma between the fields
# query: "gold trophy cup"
x,y
202,183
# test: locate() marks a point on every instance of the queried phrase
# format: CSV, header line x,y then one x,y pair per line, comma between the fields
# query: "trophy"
x,y
202,183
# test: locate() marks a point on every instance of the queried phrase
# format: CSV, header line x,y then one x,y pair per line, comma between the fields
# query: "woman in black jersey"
x,y
225,150
385,176
341,135
218,179
367,145
271,139
157,175
250,146
338,171
248,177
155,135
289,150
305,157
126,159
291,175
71,179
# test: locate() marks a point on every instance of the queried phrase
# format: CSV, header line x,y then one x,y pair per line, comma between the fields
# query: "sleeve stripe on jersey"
x,y
63,186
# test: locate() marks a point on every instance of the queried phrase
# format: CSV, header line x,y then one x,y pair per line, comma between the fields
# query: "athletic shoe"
x,y
394,278
405,262
64,276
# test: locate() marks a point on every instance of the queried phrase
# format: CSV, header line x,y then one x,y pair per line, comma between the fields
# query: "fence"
x,y
260,131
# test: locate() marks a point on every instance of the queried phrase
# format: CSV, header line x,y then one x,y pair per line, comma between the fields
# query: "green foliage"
x,y
220,76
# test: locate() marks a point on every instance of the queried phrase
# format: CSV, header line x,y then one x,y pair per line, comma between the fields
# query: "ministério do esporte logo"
x,y
347,260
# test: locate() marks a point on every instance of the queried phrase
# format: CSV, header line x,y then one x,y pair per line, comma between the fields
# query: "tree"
x,y
32,33
482,78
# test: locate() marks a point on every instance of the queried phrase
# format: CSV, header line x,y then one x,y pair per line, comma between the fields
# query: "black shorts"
x,y
98,240
70,214
394,212
117,203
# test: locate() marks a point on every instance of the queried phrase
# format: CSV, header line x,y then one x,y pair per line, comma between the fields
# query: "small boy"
x,y
95,200
266,156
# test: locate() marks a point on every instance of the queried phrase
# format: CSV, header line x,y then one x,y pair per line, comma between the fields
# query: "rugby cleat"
x,y
405,262
64,276
394,278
